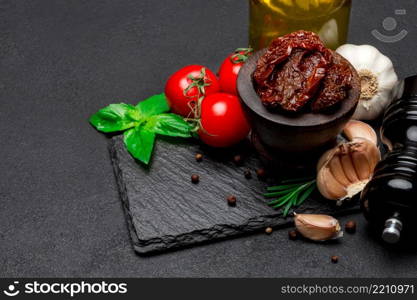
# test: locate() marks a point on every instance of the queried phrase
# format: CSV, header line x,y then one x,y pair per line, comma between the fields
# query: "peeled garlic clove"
x,y
317,227
358,129
344,170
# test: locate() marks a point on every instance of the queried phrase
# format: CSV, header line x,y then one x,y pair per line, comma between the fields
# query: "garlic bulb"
x,y
379,82
317,227
343,171
357,129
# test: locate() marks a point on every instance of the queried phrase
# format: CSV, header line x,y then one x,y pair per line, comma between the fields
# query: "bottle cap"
x,y
410,86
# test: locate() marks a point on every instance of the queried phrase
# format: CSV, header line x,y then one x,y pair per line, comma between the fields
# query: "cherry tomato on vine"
x,y
187,85
230,69
223,122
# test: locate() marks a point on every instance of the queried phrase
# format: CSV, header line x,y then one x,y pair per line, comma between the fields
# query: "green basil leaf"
x,y
154,105
115,117
169,125
139,142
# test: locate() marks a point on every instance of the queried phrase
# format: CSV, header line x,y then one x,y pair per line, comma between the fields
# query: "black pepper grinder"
x,y
389,201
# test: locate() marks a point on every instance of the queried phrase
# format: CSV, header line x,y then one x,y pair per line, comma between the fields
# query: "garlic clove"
x,y
361,163
317,227
372,152
328,186
349,168
325,158
336,169
358,129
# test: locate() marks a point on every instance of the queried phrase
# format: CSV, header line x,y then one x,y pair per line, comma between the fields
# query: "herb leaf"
x,y
139,142
169,125
115,117
142,123
290,195
305,194
154,105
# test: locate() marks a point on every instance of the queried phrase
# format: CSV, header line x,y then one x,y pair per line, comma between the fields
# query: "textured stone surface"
x,y
166,211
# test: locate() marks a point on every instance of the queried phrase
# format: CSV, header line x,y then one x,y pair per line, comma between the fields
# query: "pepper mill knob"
x,y
392,231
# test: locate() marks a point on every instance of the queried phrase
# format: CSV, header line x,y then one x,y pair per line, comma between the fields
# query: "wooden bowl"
x,y
293,133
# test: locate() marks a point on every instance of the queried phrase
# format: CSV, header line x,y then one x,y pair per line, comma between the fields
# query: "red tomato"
x,y
194,77
223,121
230,69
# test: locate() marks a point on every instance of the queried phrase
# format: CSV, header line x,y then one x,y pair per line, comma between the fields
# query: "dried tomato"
x,y
297,69
336,86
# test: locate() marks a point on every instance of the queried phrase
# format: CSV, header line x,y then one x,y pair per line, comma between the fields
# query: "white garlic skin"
x,y
369,58
343,172
317,227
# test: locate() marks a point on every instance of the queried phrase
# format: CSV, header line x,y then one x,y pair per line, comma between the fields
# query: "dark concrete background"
x,y
60,212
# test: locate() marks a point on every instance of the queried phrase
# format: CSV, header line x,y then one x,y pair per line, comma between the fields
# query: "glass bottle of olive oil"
x,y
272,18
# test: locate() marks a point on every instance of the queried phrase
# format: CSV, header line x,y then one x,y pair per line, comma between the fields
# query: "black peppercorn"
x,y
231,200
248,174
195,178
334,259
261,173
292,235
238,159
199,157
350,227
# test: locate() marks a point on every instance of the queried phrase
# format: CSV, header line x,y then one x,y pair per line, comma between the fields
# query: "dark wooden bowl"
x,y
293,132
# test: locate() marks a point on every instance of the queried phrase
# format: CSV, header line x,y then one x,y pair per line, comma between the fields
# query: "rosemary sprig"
x,y
290,193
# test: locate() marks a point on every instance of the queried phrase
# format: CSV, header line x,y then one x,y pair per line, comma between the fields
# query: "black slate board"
x,y
165,210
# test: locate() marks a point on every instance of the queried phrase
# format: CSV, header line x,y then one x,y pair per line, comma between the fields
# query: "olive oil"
x,y
272,18
389,201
